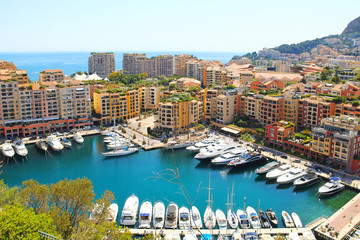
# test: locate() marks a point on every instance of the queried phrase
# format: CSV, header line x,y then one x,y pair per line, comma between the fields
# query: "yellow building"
x,y
150,98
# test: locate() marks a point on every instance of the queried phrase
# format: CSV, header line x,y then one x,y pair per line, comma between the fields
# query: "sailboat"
x,y
231,216
209,216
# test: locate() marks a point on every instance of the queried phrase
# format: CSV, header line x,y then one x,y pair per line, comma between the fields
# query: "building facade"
x,y
103,64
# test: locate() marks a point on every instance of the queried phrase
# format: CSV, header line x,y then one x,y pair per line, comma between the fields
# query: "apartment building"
x,y
7,65
75,102
192,68
271,110
226,108
103,64
291,108
277,132
209,98
266,85
186,83
180,64
150,98
250,105
212,75
15,75
51,75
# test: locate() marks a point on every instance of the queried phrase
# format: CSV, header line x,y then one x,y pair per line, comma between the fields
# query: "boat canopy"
x,y
145,215
335,179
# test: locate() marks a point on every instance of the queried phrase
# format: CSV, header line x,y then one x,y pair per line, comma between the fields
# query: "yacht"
x,y
66,142
105,132
251,236
296,219
232,219
277,172
253,217
113,212
288,222
224,159
307,180
129,212
120,152
54,143
210,153
245,159
270,214
291,176
118,145
237,235
243,219
267,167
171,216
190,235
177,145
209,218
195,218
20,148
41,145
221,219
7,150
184,218
331,187
264,221
158,214
145,214
200,145
78,138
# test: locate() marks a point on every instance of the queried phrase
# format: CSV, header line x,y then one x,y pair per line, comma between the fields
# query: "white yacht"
x,y
66,142
288,222
190,235
171,216
243,218
118,145
232,219
209,218
41,145
307,180
7,150
113,212
296,219
267,167
224,159
195,218
214,152
221,219
331,187
184,218
202,144
129,212
20,148
177,145
245,159
54,143
120,152
78,138
159,214
253,217
106,132
277,172
291,176
145,214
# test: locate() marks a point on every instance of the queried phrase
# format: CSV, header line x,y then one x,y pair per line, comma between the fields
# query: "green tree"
x,y
8,195
101,206
35,196
91,231
335,79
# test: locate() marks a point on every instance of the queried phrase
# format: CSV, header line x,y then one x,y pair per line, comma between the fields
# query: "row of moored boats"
x,y
117,145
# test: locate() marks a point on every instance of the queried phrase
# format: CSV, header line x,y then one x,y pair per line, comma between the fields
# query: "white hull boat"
x,y
296,219
243,218
221,219
288,222
159,215
307,180
176,145
331,187
20,148
195,218
277,172
118,145
228,157
290,176
113,212
78,138
41,145
209,218
171,216
130,210
7,150
253,218
232,219
172,236
294,236
66,142
307,234
145,215
218,150
106,133
245,159
266,168
184,218
120,152
54,143
190,235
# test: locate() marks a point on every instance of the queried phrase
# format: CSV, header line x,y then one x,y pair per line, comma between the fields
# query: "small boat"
x,y
288,222
216,151
113,212
307,180
237,235
253,217
190,235
120,152
277,172
264,221
54,143
200,145
221,219
195,218
296,219
159,214
171,216
331,187
232,219
172,236
209,218
41,145
129,212
177,145
243,218
270,214
20,148
145,214
291,176
184,218
267,167
66,142
105,132
228,157
251,236
294,236
78,138
7,150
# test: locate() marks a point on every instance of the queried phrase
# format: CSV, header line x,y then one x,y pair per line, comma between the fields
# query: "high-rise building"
x,y
180,64
103,64
50,75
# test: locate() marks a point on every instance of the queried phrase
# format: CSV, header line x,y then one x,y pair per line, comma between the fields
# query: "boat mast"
x,y
114,121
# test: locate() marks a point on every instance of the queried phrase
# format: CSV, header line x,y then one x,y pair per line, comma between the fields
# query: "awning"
x,y
226,129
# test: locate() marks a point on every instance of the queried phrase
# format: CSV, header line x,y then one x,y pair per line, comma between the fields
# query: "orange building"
x,y
267,85
277,132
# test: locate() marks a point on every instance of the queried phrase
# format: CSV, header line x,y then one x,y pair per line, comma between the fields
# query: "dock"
x,y
145,142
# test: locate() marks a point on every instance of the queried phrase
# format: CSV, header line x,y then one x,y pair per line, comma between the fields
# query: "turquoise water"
x,y
135,174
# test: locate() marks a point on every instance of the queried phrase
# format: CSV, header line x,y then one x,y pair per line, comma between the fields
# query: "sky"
x,y
168,25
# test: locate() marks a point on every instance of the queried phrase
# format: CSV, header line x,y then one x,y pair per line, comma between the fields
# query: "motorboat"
x,y
277,172
184,218
66,142
145,214
106,132
209,218
190,235
113,212
253,217
7,150
202,144
78,138
251,236
228,157
172,236
243,218
54,143
245,159
267,167
218,150
177,145
195,218
232,219
120,152
20,148
270,214
287,220
331,187
296,219
159,214
294,236
171,216
118,145
307,180
221,219
130,210
264,221
237,235
291,176
41,145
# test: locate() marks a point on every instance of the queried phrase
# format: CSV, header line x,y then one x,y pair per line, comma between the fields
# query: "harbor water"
x,y
145,174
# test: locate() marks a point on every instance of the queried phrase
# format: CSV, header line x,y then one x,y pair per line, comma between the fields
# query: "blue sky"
x,y
168,25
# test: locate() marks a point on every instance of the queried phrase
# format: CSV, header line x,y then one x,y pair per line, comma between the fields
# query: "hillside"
x,y
352,29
